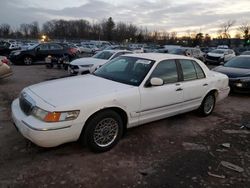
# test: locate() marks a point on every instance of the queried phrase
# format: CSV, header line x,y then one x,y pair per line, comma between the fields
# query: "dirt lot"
x,y
175,152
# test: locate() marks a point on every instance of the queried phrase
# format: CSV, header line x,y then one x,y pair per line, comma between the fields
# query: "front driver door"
x,y
161,101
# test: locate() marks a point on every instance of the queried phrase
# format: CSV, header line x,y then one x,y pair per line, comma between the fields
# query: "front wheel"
x,y
207,105
103,131
27,60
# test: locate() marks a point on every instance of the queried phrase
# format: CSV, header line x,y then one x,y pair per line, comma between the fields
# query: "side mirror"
x,y
156,81
38,49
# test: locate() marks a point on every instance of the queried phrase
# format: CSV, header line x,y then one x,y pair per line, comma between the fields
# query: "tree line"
x,y
108,30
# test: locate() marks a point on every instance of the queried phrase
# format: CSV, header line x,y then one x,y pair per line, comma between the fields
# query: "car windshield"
x,y
218,51
33,46
103,55
127,70
239,62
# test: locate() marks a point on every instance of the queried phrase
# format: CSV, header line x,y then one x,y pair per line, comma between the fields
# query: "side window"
x,y
43,47
199,71
188,70
55,47
167,71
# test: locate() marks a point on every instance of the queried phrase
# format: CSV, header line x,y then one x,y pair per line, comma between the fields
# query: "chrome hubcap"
x,y
27,60
106,132
209,104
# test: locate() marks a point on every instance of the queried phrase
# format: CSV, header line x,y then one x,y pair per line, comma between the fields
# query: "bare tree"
x,y
244,29
5,30
25,29
225,29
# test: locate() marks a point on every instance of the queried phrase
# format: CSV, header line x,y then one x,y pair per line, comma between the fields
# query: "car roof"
x,y
158,56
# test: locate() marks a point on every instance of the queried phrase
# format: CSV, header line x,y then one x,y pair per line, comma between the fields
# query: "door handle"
x,y
179,89
205,84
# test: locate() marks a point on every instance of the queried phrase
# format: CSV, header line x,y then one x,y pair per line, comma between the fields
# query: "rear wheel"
x,y
27,60
103,131
207,105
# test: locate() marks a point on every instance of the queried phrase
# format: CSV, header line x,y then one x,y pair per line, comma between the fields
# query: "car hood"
x,y
233,72
22,50
88,60
73,91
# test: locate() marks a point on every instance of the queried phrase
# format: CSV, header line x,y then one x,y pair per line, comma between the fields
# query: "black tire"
x,y
27,60
207,105
96,125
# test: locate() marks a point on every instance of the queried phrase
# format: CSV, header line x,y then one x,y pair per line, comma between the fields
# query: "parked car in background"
x,y
5,69
222,47
89,49
40,51
240,50
128,91
245,53
187,51
26,46
218,56
87,65
80,48
6,48
168,48
238,71
205,50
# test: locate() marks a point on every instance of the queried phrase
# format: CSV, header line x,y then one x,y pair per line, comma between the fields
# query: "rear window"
x,y
191,70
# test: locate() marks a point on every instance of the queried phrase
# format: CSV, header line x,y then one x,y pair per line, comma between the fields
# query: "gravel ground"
x,y
181,151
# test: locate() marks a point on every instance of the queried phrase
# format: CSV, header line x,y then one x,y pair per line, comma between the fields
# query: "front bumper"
x,y
238,86
214,60
39,133
78,71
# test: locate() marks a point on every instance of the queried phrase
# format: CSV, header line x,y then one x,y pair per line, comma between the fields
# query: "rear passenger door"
x,y
194,82
56,50
42,51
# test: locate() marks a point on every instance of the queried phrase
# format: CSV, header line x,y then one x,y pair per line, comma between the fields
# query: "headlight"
x,y
16,53
54,116
239,84
88,66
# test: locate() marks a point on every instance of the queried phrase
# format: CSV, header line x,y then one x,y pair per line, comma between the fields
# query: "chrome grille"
x,y
213,58
73,66
25,105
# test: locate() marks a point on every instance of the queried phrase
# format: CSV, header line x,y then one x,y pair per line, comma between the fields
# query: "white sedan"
x,y
219,56
87,65
128,91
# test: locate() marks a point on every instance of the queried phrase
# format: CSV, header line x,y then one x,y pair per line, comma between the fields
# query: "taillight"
x,y
5,60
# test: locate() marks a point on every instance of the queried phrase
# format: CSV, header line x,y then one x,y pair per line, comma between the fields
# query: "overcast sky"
x,y
193,15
